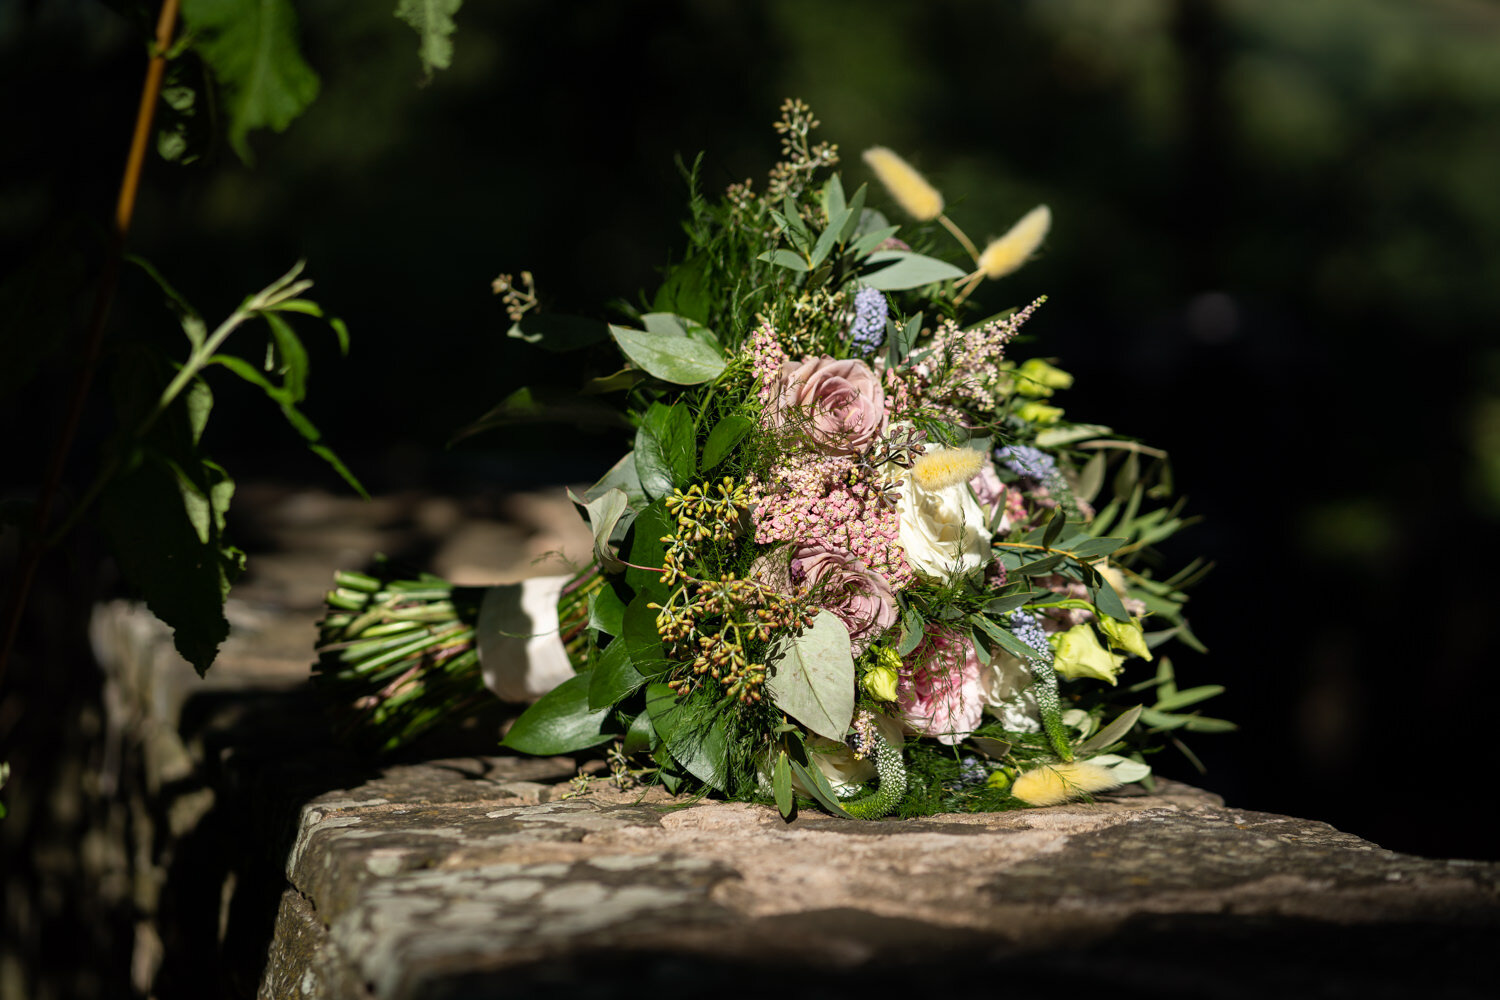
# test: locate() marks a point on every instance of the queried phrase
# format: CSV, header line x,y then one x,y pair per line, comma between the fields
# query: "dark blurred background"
x,y
1276,254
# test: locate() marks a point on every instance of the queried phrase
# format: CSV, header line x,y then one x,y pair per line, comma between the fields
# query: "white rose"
x,y
944,531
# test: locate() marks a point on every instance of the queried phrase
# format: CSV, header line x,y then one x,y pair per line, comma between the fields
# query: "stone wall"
x,y
266,860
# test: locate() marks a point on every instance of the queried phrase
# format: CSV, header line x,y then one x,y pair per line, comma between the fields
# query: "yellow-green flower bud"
x,y
1037,378
1126,636
880,682
1039,413
1000,779
1077,653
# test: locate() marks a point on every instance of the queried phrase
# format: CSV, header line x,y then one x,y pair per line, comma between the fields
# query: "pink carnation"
x,y
839,403
939,693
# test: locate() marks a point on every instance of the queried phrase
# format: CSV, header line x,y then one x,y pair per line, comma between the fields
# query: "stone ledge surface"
x,y
495,877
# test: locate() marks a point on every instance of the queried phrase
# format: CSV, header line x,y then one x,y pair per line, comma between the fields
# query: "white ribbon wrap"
x,y
521,654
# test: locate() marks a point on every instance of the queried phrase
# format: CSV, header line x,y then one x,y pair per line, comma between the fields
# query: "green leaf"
x,y
620,381
614,677
432,20
1111,733
1056,437
1091,479
895,270
1054,527
788,259
603,512
700,746
291,354
558,331
665,449
1095,547
1038,567
1188,696
1203,724
818,787
1107,601
911,631
606,611
671,352
640,639
781,785
622,476
165,525
901,344
561,721
640,736
727,433
646,549
812,680
251,46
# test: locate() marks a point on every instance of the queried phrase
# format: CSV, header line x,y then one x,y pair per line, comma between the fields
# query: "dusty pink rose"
x,y
844,585
939,692
840,404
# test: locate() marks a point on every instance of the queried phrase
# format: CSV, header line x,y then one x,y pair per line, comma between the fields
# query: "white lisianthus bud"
x,y
1078,653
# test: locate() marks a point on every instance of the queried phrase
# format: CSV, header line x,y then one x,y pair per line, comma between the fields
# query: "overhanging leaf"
x,y
558,331
251,46
432,20
813,679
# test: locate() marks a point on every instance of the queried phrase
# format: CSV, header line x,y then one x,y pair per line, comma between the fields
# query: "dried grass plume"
x,y
1013,249
919,199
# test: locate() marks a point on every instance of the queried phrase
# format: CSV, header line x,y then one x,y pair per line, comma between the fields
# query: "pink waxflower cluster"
x,y
766,360
938,691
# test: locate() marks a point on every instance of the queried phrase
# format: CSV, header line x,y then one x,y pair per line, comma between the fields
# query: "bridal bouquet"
x,y
859,554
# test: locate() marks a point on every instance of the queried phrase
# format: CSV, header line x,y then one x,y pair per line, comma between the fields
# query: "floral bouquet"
x,y
858,554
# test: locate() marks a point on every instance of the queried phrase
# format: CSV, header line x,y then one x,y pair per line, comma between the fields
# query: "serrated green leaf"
x,y
895,270
432,20
162,552
727,433
665,449
812,677
671,352
561,721
251,47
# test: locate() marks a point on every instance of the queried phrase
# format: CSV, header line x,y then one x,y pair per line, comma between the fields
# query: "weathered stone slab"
x,y
604,893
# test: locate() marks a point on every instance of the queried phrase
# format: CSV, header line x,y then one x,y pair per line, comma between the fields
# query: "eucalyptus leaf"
x,y
812,677
896,270
788,259
1062,434
1188,696
603,512
669,354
